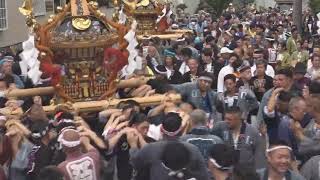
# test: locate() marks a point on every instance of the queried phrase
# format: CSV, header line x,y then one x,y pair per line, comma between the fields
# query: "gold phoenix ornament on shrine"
x,y
26,8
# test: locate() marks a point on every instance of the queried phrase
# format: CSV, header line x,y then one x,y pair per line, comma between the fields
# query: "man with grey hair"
x,y
200,134
297,112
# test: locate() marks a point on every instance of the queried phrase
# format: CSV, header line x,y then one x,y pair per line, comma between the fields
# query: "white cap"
x,y
225,50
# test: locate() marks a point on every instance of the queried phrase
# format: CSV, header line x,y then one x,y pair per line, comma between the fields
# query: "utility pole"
x,y
297,14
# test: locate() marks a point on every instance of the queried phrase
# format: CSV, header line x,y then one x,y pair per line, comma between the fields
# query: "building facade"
x,y
283,4
13,29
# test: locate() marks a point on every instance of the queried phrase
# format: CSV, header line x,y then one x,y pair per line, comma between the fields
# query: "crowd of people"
x,y
250,109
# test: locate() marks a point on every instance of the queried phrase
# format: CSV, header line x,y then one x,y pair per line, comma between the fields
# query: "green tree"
x,y
242,3
214,7
315,5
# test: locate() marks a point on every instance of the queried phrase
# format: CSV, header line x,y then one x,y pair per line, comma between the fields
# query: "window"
x,y
3,15
39,7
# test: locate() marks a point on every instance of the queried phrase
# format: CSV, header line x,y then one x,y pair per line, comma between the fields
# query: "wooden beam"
x,y
96,106
133,82
29,92
129,83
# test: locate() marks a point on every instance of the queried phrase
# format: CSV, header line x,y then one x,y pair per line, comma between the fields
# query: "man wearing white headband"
x,y
6,69
78,165
200,93
279,160
221,161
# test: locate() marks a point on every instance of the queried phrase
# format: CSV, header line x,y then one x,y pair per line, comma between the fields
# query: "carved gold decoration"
x,y
115,15
85,76
59,9
84,80
143,3
94,4
26,8
146,13
81,23
130,5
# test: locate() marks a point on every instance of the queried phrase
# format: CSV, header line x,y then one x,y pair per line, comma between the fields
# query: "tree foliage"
x,y
214,7
242,3
315,5
182,6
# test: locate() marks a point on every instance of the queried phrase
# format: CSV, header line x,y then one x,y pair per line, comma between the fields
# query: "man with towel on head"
x,y
79,165
279,161
200,93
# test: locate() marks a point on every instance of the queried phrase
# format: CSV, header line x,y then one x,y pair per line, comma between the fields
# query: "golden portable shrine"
x,y
152,16
75,51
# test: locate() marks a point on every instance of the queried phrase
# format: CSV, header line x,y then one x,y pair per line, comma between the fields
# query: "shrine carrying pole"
x,y
95,106
129,83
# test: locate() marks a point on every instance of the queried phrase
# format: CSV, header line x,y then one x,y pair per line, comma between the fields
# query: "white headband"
x,y
40,134
181,39
214,162
160,72
66,143
205,78
278,147
67,120
36,135
171,133
70,144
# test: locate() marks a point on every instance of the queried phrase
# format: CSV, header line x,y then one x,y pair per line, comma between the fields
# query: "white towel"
x,y
29,63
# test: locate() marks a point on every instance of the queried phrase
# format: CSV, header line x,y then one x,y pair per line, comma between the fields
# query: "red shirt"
x,y
80,166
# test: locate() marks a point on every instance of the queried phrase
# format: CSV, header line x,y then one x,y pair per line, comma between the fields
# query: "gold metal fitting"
x,y
59,9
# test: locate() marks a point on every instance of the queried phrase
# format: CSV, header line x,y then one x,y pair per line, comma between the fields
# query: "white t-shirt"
x,y
269,71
